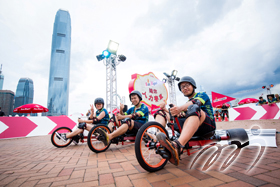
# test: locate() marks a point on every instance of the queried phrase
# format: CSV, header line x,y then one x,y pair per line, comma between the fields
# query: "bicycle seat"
x,y
204,137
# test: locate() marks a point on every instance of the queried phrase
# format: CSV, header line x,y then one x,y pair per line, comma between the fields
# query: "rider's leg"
x,y
89,126
112,121
74,133
121,130
162,117
110,125
78,131
191,125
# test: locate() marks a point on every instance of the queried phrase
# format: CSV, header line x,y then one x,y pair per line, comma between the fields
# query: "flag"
x,y
219,99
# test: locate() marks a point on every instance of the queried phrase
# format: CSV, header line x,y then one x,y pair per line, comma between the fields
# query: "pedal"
x,y
115,140
163,152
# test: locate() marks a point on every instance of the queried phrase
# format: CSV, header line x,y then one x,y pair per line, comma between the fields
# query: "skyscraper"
x,y
58,93
7,101
1,79
25,92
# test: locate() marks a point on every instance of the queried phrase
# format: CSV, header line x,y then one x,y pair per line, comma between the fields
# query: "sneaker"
x,y
76,139
170,146
61,136
75,142
103,136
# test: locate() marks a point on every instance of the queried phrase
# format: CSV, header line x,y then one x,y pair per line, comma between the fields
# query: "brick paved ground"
x,y
35,161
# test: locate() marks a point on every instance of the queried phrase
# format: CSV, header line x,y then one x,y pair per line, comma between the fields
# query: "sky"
x,y
228,46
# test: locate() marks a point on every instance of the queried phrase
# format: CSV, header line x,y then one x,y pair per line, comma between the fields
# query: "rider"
x,y
132,119
100,117
199,118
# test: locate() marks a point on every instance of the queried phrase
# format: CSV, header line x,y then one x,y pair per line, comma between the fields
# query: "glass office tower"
x,y
7,101
58,93
25,92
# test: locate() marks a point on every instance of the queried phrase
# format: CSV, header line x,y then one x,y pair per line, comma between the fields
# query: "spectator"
x,y
277,98
1,112
271,99
224,111
262,101
216,114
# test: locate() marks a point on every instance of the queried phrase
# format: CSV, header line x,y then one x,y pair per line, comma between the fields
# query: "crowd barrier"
x,y
14,127
253,112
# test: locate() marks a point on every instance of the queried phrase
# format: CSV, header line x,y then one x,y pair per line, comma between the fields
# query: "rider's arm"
x,y
85,121
120,117
177,109
92,114
162,106
121,109
101,115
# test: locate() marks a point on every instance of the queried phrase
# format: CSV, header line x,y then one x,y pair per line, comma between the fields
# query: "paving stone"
x,y
248,179
141,183
220,176
16,182
29,183
206,182
236,184
160,184
197,174
123,181
274,174
105,179
181,180
268,179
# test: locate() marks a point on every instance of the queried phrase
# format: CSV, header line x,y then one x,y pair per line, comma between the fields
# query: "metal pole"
x,y
172,92
111,83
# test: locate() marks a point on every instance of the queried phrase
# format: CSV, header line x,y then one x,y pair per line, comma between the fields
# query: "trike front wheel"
x,y
146,155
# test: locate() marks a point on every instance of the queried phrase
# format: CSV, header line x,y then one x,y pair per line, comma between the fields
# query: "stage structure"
x,y
111,60
170,79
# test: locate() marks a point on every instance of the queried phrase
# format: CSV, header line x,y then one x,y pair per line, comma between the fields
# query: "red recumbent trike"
x,y
94,138
153,157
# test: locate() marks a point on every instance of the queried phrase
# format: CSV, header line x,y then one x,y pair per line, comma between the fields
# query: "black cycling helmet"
x,y
99,100
135,92
187,79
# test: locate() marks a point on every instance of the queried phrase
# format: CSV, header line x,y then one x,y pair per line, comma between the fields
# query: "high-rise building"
x,y
58,93
7,101
25,92
1,79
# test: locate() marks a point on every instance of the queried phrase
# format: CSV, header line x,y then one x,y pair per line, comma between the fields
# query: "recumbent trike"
x,y
153,157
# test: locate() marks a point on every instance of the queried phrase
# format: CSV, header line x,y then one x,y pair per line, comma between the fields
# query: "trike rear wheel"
x,y
145,155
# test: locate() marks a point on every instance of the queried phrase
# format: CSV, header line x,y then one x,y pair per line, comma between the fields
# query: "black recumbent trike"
x,y
153,157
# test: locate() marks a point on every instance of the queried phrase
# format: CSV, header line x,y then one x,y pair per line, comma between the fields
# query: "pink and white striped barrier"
x,y
13,127
253,112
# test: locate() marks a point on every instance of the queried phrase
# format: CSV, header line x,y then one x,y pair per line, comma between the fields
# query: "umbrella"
x,y
247,101
30,108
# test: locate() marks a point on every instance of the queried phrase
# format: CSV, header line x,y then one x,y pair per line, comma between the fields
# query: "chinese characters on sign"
x,y
153,90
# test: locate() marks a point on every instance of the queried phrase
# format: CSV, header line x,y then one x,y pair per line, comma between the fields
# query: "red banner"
x,y
219,99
